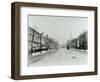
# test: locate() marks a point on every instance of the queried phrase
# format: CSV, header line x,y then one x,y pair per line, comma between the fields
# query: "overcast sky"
x,y
60,28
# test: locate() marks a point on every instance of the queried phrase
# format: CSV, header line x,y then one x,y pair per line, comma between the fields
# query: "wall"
x,y
5,41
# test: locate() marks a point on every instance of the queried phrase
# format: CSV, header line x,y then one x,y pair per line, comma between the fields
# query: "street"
x,y
62,56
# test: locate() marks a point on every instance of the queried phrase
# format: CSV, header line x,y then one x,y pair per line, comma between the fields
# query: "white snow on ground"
x,y
61,56
38,53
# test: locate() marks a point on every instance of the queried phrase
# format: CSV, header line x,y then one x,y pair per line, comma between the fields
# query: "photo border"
x,y
15,39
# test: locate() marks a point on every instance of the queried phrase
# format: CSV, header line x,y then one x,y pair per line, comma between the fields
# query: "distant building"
x,y
38,43
80,42
83,41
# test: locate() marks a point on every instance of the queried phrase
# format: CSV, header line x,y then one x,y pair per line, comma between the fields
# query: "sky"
x,y
61,28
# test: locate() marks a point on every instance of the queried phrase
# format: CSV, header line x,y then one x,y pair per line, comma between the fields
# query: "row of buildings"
x,y
80,42
37,42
